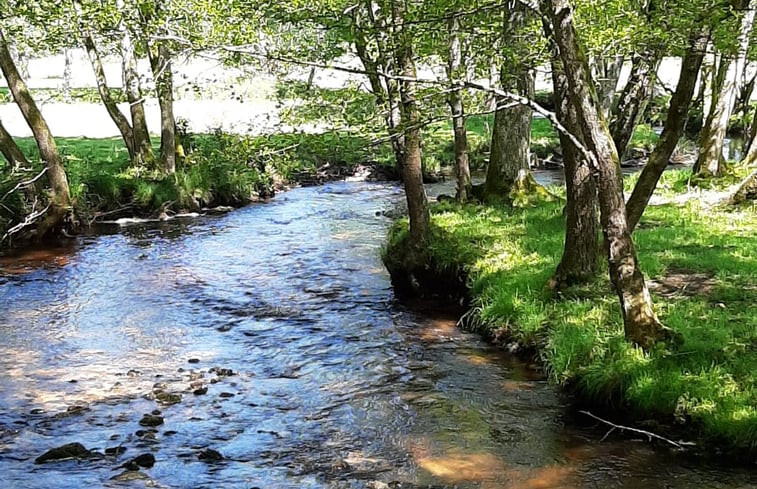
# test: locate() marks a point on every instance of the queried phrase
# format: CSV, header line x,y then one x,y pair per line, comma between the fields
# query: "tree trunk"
x,y
60,200
385,90
640,323
633,100
160,62
746,191
455,70
709,162
67,67
579,262
751,144
510,153
411,169
133,90
510,149
124,127
10,149
606,74
674,126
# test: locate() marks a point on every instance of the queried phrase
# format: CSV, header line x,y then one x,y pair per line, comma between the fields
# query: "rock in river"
x,y
68,451
145,460
210,455
151,420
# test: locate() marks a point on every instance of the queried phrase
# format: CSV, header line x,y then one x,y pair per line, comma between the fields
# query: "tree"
x,y
59,196
509,159
730,73
640,322
456,71
122,123
674,126
412,175
580,258
10,149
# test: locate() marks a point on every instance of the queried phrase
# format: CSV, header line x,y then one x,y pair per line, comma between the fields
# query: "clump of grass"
x,y
706,382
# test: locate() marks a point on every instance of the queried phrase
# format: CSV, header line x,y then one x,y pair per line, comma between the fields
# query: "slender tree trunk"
x,y
10,149
60,200
67,67
121,122
455,70
411,169
580,258
133,90
606,74
639,320
633,100
709,162
750,156
385,90
124,127
161,68
674,127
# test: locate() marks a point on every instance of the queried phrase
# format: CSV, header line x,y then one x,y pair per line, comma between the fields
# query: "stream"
x,y
271,335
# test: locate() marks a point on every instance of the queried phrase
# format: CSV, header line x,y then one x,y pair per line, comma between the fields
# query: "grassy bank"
x,y
702,264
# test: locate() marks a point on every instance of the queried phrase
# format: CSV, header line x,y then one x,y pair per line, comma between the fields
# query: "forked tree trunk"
x,y
633,100
160,62
60,200
640,323
456,70
411,169
674,127
580,258
10,149
709,162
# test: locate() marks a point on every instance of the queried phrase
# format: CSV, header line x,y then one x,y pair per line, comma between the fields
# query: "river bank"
x,y
700,263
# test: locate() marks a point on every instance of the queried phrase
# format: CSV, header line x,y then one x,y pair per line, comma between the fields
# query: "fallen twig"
x,y
648,434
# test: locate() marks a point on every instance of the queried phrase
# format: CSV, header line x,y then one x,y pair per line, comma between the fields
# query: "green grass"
x,y
222,170
705,383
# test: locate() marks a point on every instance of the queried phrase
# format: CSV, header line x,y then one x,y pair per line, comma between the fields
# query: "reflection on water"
x,y
271,335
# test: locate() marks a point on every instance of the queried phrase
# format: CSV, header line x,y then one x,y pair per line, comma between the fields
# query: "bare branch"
x,y
648,434
25,184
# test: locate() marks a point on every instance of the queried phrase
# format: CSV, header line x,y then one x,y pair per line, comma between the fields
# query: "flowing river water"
x,y
333,383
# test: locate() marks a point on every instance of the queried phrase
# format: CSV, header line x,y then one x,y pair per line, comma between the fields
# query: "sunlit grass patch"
x,y
707,381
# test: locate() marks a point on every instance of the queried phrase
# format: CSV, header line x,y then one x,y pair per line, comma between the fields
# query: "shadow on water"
x,y
272,336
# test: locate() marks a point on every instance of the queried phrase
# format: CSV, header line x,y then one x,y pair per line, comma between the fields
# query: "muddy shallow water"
x,y
334,384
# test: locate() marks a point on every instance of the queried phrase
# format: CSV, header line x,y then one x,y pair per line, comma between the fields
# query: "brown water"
x,y
335,384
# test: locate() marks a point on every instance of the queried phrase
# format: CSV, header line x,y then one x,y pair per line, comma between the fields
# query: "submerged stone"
x,y
64,452
151,420
210,455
